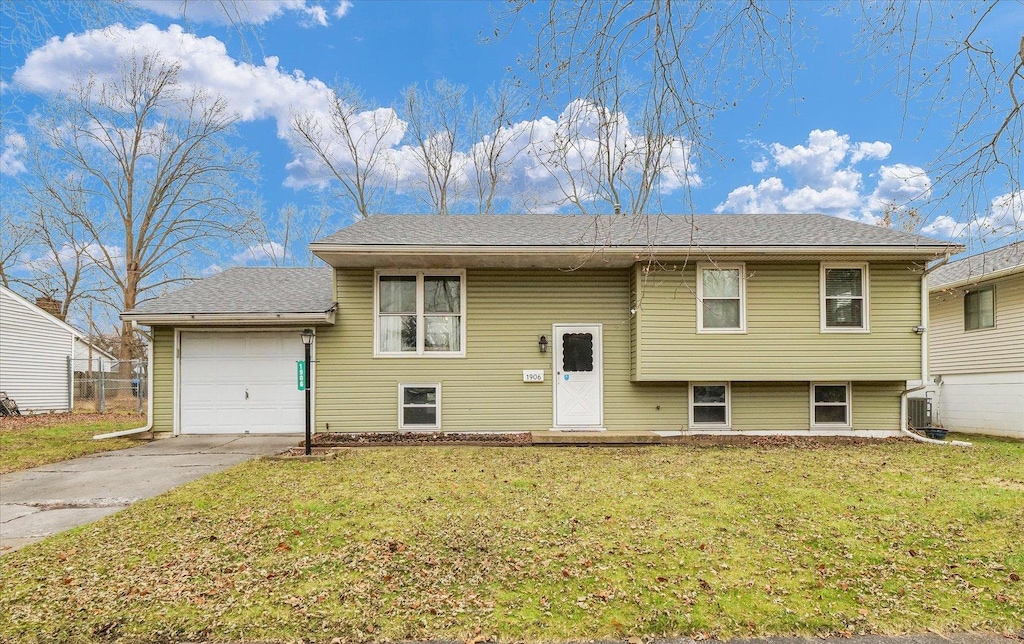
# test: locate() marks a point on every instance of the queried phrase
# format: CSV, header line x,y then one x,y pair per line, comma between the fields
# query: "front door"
x,y
578,376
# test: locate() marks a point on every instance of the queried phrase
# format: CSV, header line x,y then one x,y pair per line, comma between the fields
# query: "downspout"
x,y
149,403
924,365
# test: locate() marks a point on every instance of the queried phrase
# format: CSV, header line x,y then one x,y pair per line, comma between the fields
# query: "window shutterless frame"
x,y
980,309
420,316
829,408
712,404
712,299
837,299
413,406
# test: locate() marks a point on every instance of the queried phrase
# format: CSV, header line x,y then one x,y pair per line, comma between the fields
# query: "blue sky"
x,y
835,143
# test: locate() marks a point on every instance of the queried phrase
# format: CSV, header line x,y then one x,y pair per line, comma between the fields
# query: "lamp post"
x,y
307,341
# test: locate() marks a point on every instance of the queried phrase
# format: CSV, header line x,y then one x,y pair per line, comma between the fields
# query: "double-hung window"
x,y
830,405
844,297
721,291
979,309
419,406
420,313
709,405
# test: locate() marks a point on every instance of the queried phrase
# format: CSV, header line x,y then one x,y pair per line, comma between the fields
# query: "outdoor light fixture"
x,y
543,343
307,340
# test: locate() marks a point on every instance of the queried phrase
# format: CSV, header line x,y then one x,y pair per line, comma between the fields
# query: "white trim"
x,y
234,319
402,386
176,411
598,358
865,297
849,406
728,406
737,266
419,274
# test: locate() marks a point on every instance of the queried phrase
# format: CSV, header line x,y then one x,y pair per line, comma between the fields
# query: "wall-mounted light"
x,y
919,330
542,344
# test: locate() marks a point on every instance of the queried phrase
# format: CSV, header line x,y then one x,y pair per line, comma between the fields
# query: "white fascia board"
x,y
230,319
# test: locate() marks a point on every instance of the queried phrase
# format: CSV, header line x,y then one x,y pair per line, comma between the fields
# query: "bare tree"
x,y
495,148
141,167
692,61
14,237
670,67
284,239
353,142
436,126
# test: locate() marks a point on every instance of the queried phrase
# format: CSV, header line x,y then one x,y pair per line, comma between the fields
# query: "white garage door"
x,y
236,383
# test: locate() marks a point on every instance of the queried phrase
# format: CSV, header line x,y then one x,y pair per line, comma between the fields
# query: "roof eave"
x,y
978,279
333,254
231,319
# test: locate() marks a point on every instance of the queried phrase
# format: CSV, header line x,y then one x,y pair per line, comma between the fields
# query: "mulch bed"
x,y
13,423
370,439
802,442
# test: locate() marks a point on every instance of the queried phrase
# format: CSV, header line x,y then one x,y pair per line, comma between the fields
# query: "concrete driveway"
x,y
42,501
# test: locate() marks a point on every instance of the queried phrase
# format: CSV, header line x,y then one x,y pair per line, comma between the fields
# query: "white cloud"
x,y
10,154
1005,216
252,91
234,12
541,157
342,9
261,252
825,179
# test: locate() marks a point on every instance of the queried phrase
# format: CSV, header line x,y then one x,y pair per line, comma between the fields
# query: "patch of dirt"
x,y
15,423
419,438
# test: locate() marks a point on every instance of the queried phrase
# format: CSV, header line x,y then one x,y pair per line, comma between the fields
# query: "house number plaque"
x,y
533,375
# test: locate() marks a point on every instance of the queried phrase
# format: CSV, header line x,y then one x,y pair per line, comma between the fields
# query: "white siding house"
x,y
34,351
976,351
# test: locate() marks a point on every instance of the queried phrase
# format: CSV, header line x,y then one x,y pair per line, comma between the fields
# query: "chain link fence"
x,y
105,385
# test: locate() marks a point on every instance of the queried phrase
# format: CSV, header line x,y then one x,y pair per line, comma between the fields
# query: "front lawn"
x,y
29,441
547,544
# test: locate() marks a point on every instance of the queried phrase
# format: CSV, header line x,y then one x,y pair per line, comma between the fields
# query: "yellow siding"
x,y
783,339
770,406
1000,349
506,312
163,379
876,405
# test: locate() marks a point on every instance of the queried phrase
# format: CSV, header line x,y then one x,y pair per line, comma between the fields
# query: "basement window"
x,y
419,406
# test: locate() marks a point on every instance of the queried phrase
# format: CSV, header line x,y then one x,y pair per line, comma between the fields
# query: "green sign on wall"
x,y
302,374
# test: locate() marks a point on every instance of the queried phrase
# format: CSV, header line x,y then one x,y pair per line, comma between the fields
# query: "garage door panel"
x,y
216,370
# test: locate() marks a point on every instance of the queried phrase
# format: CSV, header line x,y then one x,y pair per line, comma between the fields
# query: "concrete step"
x,y
595,438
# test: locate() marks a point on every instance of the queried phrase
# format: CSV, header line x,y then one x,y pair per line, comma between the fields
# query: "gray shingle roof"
x,y
249,290
976,267
610,231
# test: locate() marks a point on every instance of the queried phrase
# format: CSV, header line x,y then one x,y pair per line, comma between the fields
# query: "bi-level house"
x,y
694,324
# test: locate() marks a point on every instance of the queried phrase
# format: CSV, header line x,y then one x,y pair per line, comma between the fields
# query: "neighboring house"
x,y
976,349
693,324
35,350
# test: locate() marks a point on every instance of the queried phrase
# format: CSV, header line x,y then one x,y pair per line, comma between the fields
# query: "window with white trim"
x,y
980,309
419,406
844,297
721,291
420,313
830,404
709,405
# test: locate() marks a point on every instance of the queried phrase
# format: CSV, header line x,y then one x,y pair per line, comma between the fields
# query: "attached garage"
x,y
244,383
236,344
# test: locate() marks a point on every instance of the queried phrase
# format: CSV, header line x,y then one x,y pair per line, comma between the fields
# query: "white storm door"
x,y
240,383
578,376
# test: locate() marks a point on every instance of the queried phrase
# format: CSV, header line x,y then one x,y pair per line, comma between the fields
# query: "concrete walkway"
x,y
45,500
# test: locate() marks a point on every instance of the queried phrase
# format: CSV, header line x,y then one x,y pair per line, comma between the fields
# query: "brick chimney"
x,y
51,306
